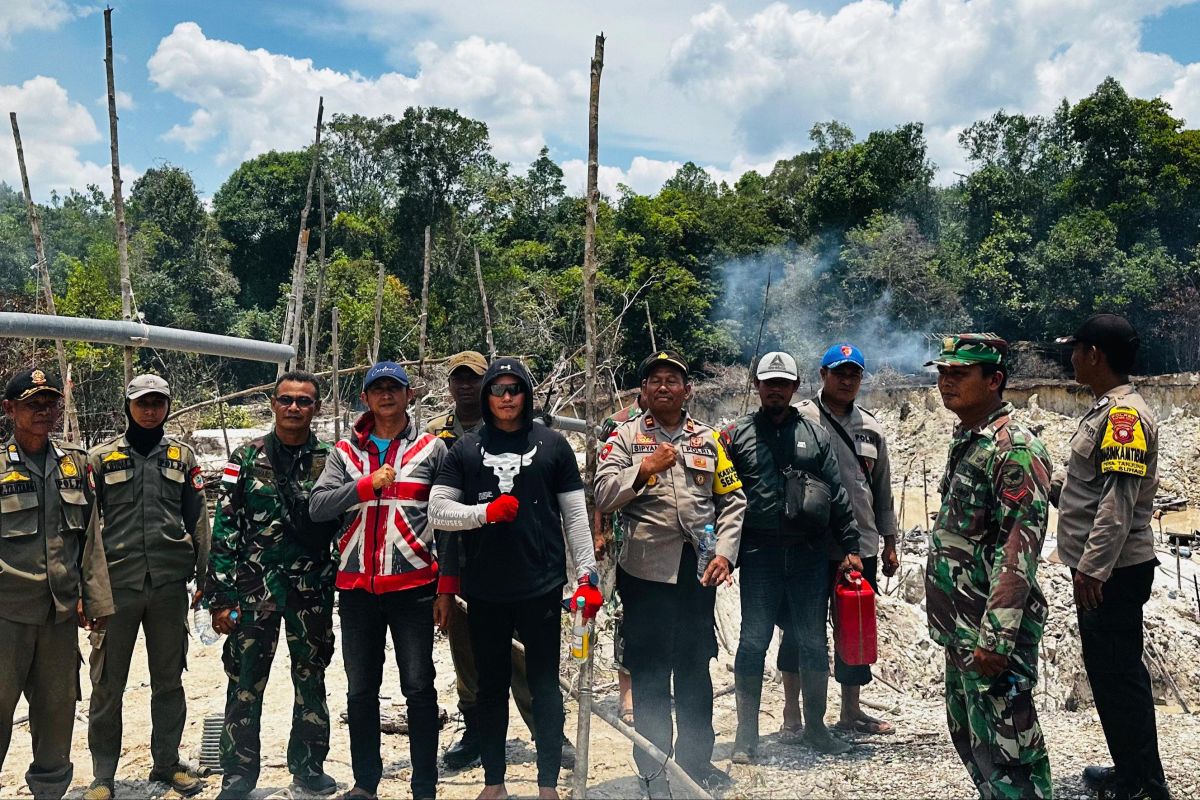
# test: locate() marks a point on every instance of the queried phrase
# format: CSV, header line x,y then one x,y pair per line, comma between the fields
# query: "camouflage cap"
x,y
964,349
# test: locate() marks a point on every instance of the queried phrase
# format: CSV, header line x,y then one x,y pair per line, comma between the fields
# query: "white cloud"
x,y
254,100
125,101
53,129
647,175
26,15
874,64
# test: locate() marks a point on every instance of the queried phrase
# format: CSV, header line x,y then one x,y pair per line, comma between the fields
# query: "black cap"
x,y
663,358
30,382
1106,331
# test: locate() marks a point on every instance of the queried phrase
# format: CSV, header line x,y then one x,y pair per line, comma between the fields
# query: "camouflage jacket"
x,y
981,580
256,562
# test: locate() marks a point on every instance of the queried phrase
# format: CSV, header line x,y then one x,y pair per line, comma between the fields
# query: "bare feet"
x,y
496,791
547,793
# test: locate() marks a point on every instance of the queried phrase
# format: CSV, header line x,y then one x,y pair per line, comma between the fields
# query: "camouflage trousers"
x,y
247,658
996,733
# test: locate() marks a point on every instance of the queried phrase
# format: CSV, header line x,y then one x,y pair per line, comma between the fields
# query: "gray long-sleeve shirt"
x,y
1107,498
870,494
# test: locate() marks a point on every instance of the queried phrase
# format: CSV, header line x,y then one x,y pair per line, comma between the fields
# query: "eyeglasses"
x,y
501,389
300,401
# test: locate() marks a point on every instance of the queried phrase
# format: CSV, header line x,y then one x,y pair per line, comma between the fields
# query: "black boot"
x,y
465,752
748,693
814,687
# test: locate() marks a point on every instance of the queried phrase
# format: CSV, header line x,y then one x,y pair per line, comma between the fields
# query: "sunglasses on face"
x,y
300,401
501,389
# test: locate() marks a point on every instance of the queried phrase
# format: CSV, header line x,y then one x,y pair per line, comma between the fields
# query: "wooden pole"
x,y
487,313
375,341
72,431
337,400
580,773
424,302
315,342
118,197
295,306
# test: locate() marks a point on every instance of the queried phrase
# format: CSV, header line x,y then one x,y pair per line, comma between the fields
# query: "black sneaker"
x,y
1094,777
180,778
315,784
567,759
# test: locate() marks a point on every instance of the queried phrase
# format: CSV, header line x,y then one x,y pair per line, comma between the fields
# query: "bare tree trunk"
x,y
118,197
650,324
424,303
335,345
580,775
315,341
295,306
72,432
375,342
487,313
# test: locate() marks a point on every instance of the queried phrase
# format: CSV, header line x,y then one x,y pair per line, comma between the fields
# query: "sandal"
x,y
866,725
626,716
791,734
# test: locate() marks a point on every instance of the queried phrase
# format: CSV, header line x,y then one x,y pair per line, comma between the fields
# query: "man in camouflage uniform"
x,y
984,604
1104,535
269,564
156,537
53,576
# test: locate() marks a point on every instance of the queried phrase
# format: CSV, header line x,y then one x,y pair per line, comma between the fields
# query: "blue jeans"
x,y
772,577
366,619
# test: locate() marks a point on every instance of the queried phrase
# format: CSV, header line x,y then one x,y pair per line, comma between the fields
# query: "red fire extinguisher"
x,y
854,604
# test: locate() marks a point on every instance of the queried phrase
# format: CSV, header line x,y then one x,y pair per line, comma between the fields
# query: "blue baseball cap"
x,y
843,353
386,369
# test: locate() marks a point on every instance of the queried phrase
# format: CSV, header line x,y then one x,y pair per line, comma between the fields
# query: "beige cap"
x,y
147,384
470,359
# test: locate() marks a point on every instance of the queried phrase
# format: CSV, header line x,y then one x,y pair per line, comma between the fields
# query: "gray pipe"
x,y
134,334
573,424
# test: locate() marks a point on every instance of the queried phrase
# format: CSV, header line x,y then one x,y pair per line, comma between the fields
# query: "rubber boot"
x,y
748,693
814,687
465,751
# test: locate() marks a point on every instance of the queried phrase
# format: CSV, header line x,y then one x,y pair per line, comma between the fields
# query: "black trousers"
x,y
1112,656
669,640
538,622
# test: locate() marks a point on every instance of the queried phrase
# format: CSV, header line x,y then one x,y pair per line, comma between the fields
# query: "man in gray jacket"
x,y
150,495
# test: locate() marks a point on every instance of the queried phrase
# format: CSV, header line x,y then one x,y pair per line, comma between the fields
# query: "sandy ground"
x,y
917,761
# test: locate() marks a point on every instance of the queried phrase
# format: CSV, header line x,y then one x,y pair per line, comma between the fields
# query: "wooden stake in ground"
x,y
580,773
336,350
487,313
118,197
375,341
295,306
315,341
72,432
650,325
424,303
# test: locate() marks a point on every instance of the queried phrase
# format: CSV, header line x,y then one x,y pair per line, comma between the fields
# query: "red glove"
x,y
502,509
591,597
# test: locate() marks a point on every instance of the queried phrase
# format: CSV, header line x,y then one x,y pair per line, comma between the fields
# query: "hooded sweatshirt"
x,y
525,558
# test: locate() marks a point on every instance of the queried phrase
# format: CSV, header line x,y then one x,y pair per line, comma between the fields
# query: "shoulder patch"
x,y
1123,448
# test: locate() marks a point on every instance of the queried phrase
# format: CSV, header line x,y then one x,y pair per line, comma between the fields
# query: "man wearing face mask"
x,y
156,538
52,576
510,495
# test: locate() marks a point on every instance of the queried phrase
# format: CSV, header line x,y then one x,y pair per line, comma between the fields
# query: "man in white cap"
x,y
783,555
156,537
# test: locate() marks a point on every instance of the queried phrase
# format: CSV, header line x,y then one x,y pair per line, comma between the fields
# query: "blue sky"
x,y
732,86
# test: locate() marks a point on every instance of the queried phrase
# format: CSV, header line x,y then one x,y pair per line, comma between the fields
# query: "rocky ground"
x,y
918,761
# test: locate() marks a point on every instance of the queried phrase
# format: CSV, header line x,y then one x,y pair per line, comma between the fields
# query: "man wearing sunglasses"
x,y
377,482
271,564
156,536
508,494
53,577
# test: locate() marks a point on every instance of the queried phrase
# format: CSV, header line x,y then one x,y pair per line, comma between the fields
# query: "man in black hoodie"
x,y
508,493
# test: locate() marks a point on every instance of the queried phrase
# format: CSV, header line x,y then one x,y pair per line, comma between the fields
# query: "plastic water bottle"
x,y
202,627
706,548
581,632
